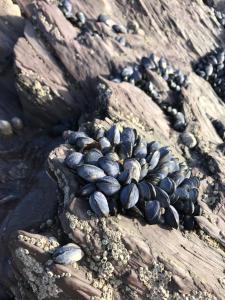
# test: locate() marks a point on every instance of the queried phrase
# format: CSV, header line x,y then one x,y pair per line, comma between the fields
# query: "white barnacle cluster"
x,y
47,244
115,247
194,295
41,280
156,280
75,223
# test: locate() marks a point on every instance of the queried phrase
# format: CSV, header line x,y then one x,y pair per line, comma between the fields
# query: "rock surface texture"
x,y
56,68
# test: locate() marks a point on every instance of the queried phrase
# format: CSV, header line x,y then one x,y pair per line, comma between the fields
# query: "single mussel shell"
x,y
92,156
182,193
74,135
67,6
133,166
193,195
189,222
83,142
110,167
125,177
68,254
99,204
153,146
108,185
112,155
144,171
73,160
152,212
125,150
162,197
87,190
179,205
140,151
168,185
145,191
153,159
171,217
105,145
113,135
129,196
90,173
128,135
192,182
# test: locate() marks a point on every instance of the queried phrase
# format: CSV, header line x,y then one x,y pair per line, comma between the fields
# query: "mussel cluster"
x,y
139,75
211,68
118,172
77,19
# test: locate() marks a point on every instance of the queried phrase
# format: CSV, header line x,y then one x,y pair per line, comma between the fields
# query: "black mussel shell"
x,y
113,135
73,160
90,173
99,204
171,217
152,212
189,222
129,196
92,156
87,190
108,185
162,197
110,167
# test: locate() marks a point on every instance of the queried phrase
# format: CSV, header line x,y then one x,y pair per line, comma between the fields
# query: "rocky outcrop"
x,y
62,72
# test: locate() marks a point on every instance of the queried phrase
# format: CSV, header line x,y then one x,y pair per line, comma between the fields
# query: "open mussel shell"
x,y
134,168
108,185
87,190
129,196
99,204
171,217
92,156
152,212
73,160
113,135
110,167
90,173
68,254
